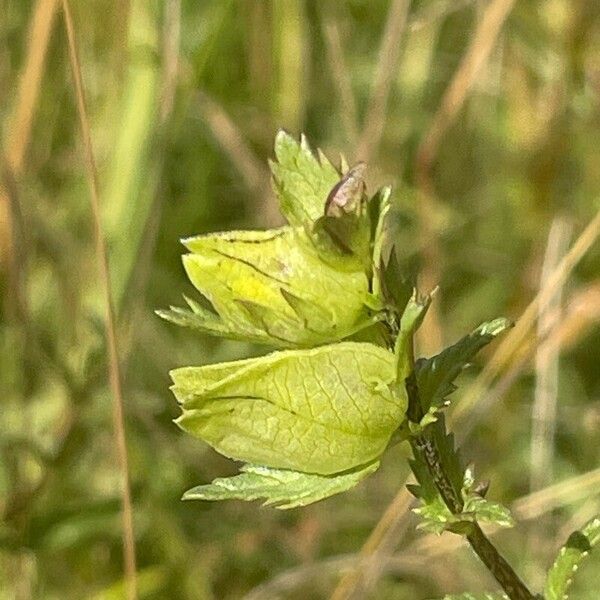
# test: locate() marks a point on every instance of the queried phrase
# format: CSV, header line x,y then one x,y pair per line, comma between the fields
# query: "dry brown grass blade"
x,y
559,494
512,342
109,321
42,22
581,313
543,424
436,12
387,65
341,77
15,244
19,133
357,582
456,93
484,39
232,142
544,406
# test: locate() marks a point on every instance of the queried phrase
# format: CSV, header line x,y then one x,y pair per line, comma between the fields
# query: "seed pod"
x,y
322,411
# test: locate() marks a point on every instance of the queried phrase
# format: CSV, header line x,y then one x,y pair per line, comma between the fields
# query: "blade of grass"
x,y
480,47
129,192
357,582
232,142
341,77
109,321
436,12
42,23
291,52
387,65
134,305
512,342
581,313
12,240
543,410
546,364
483,41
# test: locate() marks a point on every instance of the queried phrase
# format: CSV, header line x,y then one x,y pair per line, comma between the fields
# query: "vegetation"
x,y
483,117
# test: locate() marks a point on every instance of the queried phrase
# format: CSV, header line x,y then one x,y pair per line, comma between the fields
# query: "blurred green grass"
x,y
184,100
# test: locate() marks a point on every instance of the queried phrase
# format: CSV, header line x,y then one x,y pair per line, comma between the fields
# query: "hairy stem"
x,y
426,448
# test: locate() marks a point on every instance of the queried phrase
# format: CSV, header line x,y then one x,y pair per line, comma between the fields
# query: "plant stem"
x,y
503,573
426,448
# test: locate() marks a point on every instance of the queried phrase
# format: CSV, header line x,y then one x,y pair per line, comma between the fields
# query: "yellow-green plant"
x,y
313,418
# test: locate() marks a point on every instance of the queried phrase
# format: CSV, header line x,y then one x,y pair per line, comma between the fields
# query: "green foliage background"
x,y
185,98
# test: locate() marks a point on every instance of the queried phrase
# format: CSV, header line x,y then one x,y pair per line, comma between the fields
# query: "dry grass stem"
x,y
13,248
170,51
511,343
387,66
109,321
17,142
559,494
341,78
581,313
546,363
484,39
42,23
436,12
232,142
480,48
381,542
543,410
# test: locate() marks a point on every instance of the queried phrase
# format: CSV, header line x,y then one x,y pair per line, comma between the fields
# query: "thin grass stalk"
x,y
233,143
109,321
386,71
341,77
484,39
507,348
543,424
12,241
358,581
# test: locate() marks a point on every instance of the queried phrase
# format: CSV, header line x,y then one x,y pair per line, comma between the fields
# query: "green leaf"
x,y
578,546
393,279
486,511
434,382
279,487
411,320
206,321
301,180
448,452
272,287
448,457
436,375
324,410
435,515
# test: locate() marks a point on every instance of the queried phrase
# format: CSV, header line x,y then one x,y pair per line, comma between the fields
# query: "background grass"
x,y
184,100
